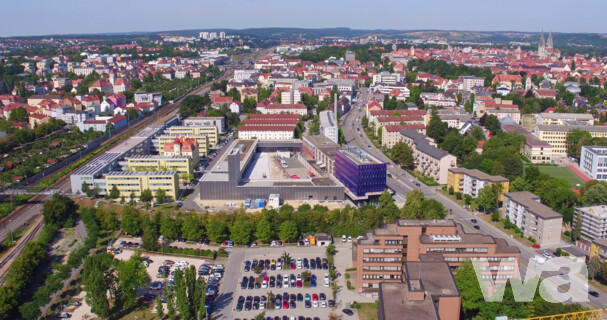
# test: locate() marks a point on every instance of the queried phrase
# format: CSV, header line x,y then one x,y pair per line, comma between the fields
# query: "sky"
x,y
44,17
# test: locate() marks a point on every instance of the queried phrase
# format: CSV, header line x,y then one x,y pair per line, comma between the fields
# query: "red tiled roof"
x,y
117,118
275,116
379,113
270,121
400,118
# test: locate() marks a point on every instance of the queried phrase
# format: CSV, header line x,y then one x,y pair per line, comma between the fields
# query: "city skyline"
x,y
73,17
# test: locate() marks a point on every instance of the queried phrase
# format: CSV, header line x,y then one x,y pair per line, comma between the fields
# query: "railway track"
x,y
16,251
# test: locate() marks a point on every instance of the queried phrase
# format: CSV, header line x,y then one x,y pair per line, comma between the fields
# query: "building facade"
x,y
328,125
471,181
381,255
269,132
208,130
533,218
181,164
556,135
428,159
135,182
593,161
362,174
218,122
594,221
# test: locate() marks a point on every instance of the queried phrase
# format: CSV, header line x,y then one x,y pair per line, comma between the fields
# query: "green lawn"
x,y
563,173
367,311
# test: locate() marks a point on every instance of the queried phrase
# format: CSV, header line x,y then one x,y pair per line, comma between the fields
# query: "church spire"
x,y
549,44
542,41
541,48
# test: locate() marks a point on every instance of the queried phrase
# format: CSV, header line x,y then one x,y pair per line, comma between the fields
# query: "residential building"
x,y
471,181
397,120
391,133
102,85
269,132
593,161
511,113
202,140
387,78
219,122
382,255
290,96
556,135
428,159
470,82
300,109
208,130
362,173
594,221
508,80
181,146
329,126
561,118
144,97
533,218
182,164
134,182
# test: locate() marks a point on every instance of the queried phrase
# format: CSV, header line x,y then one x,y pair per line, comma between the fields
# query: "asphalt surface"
x,y
400,184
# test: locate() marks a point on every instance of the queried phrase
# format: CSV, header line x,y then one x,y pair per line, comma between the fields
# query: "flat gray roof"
x,y
533,204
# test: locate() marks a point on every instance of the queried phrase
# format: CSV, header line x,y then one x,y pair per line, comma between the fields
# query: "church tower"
x,y
528,83
541,48
412,50
518,53
549,44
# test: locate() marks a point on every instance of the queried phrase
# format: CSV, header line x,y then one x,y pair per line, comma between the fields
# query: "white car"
x,y
343,238
262,305
315,304
299,263
323,304
299,276
326,280
349,238
264,284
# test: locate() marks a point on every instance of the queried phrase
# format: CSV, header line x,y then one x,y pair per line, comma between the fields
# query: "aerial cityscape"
x,y
194,161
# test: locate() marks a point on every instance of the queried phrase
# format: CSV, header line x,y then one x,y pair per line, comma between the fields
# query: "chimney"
x,y
335,106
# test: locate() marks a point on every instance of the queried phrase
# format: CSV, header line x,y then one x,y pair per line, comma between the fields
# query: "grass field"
x,y
563,173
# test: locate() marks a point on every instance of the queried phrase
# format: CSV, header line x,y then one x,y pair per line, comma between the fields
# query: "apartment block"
x,y
391,134
382,255
593,161
556,135
134,182
299,109
428,159
471,181
202,142
533,218
218,122
470,82
181,164
322,150
594,221
211,131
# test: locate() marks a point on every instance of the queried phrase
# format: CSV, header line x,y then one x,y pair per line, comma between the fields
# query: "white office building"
x,y
328,126
593,161
594,221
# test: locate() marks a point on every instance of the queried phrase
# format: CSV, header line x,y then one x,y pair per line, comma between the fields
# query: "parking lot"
x,y
296,291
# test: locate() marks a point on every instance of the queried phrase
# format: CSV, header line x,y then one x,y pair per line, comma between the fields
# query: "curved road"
x,y
401,184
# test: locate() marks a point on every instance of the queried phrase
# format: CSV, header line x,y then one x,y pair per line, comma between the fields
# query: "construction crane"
x,y
597,314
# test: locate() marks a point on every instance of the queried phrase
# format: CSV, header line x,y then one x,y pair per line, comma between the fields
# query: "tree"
x,y
149,240
594,267
495,216
114,192
240,231
436,128
492,123
574,137
286,260
469,288
199,297
98,277
486,198
181,297
191,228
130,221
131,114
604,270
130,275
159,308
160,196
58,209
86,189
170,303
264,231
18,114
402,154
364,121
519,184
169,228
595,194
146,195
30,310
216,230
468,107
413,204
288,230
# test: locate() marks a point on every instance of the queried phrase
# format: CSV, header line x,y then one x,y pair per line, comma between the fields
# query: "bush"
x,y
347,276
458,195
355,305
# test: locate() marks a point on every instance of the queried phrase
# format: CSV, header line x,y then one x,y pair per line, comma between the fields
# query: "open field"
x,y
563,173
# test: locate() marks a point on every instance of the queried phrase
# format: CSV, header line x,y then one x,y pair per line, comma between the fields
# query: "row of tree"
x,y
287,223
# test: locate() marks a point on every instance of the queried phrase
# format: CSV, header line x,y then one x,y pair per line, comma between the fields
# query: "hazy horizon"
x,y
63,17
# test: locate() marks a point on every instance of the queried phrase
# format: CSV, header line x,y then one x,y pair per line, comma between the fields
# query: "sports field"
x,y
563,173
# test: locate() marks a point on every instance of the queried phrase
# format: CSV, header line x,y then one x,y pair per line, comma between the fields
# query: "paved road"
x,y
351,125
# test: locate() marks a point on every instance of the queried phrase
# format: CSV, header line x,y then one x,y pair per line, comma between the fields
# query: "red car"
x,y
536,246
315,297
293,267
299,283
285,304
